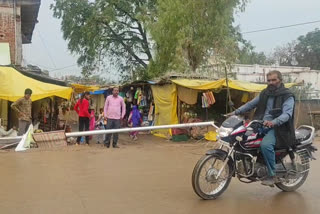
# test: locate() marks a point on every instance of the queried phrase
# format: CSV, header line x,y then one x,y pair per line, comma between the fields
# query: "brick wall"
x,y
8,32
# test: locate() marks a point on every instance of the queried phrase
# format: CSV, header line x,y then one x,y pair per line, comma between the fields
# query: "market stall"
x,y
139,93
12,87
194,100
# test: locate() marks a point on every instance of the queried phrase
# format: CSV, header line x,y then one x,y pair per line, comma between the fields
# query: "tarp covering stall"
x,y
78,88
165,100
13,85
200,84
250,87
218,84
97,99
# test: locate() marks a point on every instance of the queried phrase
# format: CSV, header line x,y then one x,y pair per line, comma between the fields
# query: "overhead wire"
x,y
47,49
68,66
281,27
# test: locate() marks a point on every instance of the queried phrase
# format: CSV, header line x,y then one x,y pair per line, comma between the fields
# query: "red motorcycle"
x,y
239,155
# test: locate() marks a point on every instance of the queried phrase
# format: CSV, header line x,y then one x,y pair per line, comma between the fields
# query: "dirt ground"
x,y
151,175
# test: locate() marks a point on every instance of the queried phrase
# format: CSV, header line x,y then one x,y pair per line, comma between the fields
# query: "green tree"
x,y
104,30
187,32
304,52
183,33
285,55
307,50
89,80
247,55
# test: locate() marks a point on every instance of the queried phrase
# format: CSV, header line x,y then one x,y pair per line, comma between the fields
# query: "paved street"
x,y
149,176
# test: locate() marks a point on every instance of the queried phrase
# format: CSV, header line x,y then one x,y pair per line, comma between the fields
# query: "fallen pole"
x,y
148,128
10,138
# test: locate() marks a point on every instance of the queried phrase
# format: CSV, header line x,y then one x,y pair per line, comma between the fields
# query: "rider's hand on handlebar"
x,y
268,124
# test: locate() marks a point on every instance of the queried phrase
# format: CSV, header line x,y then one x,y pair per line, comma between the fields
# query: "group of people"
x,y
274,96
109,117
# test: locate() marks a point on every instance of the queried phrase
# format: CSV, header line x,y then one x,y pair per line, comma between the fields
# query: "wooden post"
x,y
228,89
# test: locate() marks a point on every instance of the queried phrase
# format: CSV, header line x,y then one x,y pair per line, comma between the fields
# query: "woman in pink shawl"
x,y
92,122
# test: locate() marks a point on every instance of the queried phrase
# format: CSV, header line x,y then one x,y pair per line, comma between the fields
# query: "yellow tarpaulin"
x,y
200,84
248,86
78,88
244,86
13,84
165,100
217,84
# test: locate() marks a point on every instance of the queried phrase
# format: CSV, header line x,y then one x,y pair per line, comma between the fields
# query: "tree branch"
x,y
126,47
126,24
125,12
145,43
128,32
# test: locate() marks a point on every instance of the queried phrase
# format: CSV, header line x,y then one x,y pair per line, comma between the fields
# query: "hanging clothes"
x,y
143,101
211,99
207,99
204,101
138,92
130,95
150,114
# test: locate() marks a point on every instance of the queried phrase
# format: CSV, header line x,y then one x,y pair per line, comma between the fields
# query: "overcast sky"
x,y
49,50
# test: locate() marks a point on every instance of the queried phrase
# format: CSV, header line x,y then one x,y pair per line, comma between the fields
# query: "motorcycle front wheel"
x,y
204,181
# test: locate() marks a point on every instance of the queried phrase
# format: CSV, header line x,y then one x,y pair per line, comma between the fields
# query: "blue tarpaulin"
x,y
98,92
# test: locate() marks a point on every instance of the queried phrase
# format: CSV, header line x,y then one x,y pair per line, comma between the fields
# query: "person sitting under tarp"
x,y
11,133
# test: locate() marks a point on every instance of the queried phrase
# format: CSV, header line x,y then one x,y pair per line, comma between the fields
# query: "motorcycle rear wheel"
x,y
204,171
293,184
287,187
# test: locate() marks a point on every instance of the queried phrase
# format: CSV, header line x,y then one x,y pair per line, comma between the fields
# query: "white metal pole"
x,y
11,138
148,128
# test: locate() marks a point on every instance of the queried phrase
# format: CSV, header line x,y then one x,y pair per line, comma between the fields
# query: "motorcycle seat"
x,y
302,134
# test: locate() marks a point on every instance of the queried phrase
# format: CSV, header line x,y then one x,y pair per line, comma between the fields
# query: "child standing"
x,y
100,126
92,121
134,120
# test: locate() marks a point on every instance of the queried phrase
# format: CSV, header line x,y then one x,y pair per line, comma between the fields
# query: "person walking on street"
x,y
23,106
114,111
82,108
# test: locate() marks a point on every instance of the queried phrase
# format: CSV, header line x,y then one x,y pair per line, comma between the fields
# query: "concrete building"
x,y
17,21
257,74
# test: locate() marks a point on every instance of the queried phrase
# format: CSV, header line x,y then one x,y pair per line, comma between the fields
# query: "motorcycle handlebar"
x,y
260,122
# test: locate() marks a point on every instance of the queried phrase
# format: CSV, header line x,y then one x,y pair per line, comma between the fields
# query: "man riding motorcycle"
x,y
281,133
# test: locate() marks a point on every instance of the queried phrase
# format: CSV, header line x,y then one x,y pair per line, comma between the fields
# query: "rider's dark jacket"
x,y
275,99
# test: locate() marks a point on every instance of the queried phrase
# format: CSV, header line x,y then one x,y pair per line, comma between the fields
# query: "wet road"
x,y
144,177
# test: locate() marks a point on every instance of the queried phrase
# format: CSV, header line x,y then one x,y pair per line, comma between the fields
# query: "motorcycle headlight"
x,y
224,132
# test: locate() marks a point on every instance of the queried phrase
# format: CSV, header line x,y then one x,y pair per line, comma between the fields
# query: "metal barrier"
x,y
148,128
